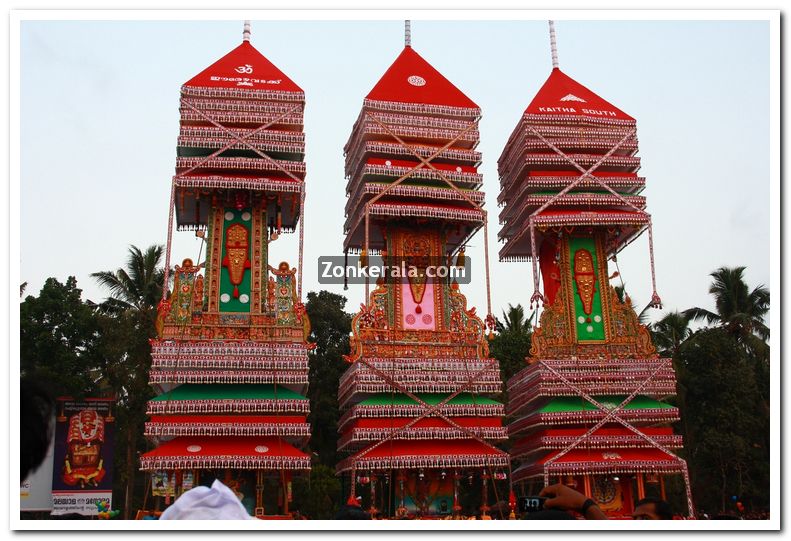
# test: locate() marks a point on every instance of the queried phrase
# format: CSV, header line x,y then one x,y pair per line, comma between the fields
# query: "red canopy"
x,y
410,454
389,162
229,419
244,68
225,452
562,95
413,80
427,422
609,456
602,461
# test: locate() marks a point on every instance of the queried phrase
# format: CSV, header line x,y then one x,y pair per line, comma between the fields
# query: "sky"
x,y
99,121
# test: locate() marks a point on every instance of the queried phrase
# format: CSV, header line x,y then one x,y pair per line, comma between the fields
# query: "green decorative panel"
x,y
588,315
236,260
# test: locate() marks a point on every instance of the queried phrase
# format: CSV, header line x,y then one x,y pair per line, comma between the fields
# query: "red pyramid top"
x,y
562,95
244,68
411,79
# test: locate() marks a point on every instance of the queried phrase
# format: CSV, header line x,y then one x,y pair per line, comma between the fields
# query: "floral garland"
x,y
538,420
597,468
251,135
243,106
293,119
226,429
366,435
228,376
414,410
423,461
259,94
222,462
422,108
593,442
164,407
255,164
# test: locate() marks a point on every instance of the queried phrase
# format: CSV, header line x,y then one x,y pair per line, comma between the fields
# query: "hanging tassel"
x,y
345,273
460,261
364,258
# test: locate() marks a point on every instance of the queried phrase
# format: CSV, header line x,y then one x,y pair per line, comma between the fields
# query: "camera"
x,y
531,504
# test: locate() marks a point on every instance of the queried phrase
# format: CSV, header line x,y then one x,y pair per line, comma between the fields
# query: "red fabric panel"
x,y
397,422
607,212
436,90
611,431
610,455
550,270
264,74
430,448
560,95
225,446
234,419
411,164
576,174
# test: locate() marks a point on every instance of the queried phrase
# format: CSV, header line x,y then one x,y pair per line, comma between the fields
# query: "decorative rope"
x,y
301,243
242,139
489,315
423,163
429,409
246,33
564,191
408,33
222,149
610,414
423,108
656,302
170,239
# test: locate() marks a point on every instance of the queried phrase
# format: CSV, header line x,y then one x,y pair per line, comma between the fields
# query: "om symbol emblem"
x,y
247,68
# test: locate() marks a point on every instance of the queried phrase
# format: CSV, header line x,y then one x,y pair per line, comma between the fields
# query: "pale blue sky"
x,y
99,120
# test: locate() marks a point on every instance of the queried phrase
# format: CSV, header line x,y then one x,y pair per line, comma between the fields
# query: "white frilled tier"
x,y
241,128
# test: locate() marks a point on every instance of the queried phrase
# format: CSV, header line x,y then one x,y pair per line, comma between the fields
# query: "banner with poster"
x,y
83,455
35,492
162,484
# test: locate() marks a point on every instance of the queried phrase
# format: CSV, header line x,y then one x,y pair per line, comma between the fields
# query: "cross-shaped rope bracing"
x,y
429,410
426,162
612,414
235,137
586,173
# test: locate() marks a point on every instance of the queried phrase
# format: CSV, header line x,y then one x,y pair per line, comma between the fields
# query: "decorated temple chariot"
x,y
230,364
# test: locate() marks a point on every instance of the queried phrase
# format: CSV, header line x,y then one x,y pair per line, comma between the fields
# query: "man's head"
x,y
652,509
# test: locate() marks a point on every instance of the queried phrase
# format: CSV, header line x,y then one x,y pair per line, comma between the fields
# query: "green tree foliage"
x,y
740,311
723,392
135,292
511,344
318,496
59,336
138,287
670,332
330,327
726,428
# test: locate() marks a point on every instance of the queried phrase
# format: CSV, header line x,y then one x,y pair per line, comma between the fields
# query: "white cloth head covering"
x,y
204,503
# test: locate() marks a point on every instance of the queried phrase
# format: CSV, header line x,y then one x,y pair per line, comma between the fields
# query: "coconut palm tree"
x,y
138,287
670,332
740,311
513,320
135,292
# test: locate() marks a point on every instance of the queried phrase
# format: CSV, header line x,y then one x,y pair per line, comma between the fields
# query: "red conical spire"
x,y
411,79
244,68
562,95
